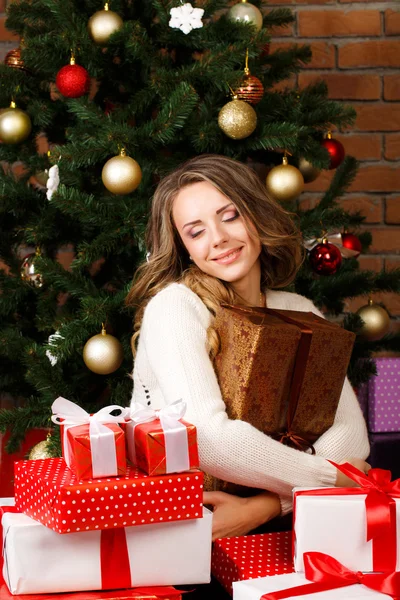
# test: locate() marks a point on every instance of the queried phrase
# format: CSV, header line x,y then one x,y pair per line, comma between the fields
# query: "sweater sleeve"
x,y
174,334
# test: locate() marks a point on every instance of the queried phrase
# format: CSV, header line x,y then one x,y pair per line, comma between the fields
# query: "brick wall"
x,y
356,50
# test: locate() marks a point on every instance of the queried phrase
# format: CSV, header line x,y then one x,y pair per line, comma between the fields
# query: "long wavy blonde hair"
x,y
281,247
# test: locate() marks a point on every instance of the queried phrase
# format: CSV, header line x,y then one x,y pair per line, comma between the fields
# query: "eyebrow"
x,y
216,212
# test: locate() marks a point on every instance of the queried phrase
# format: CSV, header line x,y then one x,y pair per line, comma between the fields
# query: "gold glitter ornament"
x,y
376,321
29,270
237,119
285,182
103,353
244,11
103,24
121,174
15,125
309,172
40,450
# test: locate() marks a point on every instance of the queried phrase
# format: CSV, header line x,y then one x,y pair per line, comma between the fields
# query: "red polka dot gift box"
x,y
47,491
251,556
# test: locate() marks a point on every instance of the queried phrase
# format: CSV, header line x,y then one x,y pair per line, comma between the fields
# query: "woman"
x,y
216,236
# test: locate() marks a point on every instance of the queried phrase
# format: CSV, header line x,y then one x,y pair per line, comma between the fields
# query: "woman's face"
x,y
214,233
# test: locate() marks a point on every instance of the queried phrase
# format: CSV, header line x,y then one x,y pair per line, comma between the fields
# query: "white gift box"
x,y
253,589
335,525
39,560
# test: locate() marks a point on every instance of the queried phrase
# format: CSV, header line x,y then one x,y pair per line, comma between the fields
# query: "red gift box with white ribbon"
x,y
92,445
251,556
50,493
38,560
160,441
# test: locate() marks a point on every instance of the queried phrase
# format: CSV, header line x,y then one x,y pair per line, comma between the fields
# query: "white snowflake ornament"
x,y
53,181
186,18
52,341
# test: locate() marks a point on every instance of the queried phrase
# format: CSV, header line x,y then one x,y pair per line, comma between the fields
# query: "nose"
x,y
219,235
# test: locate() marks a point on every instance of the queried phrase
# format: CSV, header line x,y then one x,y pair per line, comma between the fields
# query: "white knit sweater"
x,y
172,362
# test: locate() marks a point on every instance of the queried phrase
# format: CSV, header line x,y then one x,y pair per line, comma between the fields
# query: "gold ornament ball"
x,y
121,174
102,24
237,119
309,172
15,125
103,353
285,182
244,11
40,451
376,322
29,271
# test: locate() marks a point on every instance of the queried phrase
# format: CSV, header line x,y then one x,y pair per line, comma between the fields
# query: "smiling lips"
x,y
228,257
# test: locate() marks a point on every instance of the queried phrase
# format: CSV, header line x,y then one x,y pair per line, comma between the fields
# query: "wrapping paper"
x,y
380,397
38,560
49,492
160,441
335,525
251,556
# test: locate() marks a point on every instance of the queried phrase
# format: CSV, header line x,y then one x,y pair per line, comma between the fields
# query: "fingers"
x,y
213,498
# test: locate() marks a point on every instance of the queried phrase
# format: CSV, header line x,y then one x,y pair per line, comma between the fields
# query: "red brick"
x,y
4,267
306,202
363,146
370,263
385,240
392,262
393,212
391,87
285,83
345,85
333,23
392,22
5,35
321,184
391,300
377,116
279,2
2,6
371,178
369,207
392,146
382,53
323,54
65,256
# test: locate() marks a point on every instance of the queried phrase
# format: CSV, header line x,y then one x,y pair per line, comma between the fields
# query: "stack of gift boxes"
x,y
345,544
380,402
92,521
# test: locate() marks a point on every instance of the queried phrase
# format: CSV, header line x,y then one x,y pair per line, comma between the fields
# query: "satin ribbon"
x,y
380,510
332,238
175,433
102,438
3,557
326,573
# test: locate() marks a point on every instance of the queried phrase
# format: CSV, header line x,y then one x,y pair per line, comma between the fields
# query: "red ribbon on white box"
x,y
175,433
102,438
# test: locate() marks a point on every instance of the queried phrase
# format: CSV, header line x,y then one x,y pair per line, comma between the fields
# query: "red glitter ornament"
x,y
335,149
73,81
325,258
351,241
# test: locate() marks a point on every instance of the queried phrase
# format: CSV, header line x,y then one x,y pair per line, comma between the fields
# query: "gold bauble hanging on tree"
x,y
237,119
40,450
15,125
103,353
246,12
376,321
285,182
121,174
309,172
103,24
29,271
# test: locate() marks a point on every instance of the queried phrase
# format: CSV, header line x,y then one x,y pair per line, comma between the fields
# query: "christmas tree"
x,y
121,95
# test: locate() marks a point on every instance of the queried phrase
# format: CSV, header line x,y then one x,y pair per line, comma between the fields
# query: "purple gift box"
x,y
380,397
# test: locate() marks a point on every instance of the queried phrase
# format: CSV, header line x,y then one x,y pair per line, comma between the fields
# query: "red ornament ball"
x,y
325,258
73,81
336,152
351,241
251,90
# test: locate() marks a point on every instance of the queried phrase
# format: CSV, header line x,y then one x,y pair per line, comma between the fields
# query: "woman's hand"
x,y
343,481
237,516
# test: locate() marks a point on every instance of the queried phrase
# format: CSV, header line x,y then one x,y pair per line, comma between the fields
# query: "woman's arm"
x,y
174,335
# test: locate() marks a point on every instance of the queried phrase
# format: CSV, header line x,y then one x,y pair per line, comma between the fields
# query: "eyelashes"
x,y
236,215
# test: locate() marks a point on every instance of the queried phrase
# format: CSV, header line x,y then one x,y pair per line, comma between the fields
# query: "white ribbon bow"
x,y
332,238
102,438
175,433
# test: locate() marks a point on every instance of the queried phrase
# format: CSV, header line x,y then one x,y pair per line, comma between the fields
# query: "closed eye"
x,y
236,215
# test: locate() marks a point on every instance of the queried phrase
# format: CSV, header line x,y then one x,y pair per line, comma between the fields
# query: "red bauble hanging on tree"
x,y
335,149
325,258
351,241
73,81
251,89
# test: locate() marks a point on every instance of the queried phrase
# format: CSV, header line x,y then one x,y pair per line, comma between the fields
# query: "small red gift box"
x,y
161,442
251,556
47,491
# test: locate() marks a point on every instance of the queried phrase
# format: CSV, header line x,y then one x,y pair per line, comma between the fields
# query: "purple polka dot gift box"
x,y
382,397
